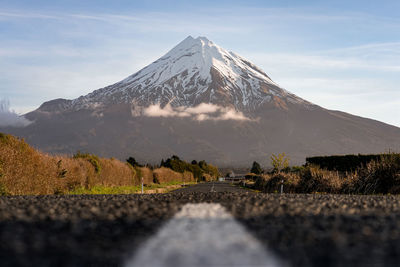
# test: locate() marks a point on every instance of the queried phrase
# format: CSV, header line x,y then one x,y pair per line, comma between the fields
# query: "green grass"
x,y
99,189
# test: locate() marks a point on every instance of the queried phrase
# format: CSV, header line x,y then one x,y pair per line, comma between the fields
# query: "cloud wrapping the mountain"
x,y
201,112
9,117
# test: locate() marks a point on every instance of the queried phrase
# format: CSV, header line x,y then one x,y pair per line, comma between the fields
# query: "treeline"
x,y
345,163
202,171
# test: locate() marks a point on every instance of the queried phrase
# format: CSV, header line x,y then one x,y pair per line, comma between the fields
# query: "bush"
x,y
132,161
279,162
201,170
256,168
165,175
251,176
379,176
272,183
28,171
345,163
24,170
93,159
314,179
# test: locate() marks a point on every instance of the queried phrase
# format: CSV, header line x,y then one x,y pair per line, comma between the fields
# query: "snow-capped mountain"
x,y
200,101
193,72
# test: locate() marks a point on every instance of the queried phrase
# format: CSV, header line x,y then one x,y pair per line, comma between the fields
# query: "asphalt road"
x,y
212,187
106,230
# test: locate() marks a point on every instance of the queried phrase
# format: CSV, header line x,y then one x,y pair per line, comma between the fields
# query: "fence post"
x,y
282,186
142,185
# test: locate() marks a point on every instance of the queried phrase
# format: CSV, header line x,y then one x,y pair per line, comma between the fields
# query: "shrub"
x,y
201,170
256,168
272,183
379,176
279,162
315,179
93,159
345,163
24,170
3,137
146,174
132,161
115,173
165,175
251,176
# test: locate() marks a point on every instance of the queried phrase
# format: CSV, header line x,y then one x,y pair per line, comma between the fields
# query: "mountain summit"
x,y
193,72
200,101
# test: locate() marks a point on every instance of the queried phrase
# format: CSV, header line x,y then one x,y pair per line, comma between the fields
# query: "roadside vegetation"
x,y
371,174
27,171
148,188
201,170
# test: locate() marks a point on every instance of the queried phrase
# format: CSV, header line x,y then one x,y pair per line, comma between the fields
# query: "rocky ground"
x,y
104,230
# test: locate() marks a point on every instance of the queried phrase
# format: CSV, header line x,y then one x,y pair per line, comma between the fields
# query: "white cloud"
x,y
200,112
9,117
202,108
230,114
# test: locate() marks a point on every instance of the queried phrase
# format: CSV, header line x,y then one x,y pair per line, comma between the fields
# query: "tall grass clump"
x,y
314,179
381,176
378,176
270,183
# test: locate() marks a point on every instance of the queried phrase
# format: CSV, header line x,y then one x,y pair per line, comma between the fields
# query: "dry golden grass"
x,y
116,173
314,179
272,182
377,177
165,175
146,173
24,170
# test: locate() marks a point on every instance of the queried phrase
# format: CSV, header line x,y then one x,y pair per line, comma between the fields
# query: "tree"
x,y
133,162
175,157
256,168
279,162
203,164
194,162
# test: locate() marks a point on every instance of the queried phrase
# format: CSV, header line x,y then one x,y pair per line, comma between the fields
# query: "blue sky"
x,y
342,55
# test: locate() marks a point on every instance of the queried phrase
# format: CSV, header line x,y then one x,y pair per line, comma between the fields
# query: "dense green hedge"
x,y
343,163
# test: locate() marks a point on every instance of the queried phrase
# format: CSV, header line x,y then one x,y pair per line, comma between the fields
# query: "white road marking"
x,y
212,188
203,235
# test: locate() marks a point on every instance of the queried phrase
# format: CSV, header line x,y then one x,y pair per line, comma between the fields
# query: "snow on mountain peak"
x,y
193,72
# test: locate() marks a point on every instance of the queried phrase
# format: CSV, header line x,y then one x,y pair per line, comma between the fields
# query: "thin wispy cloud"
x,y
25,15
329,62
